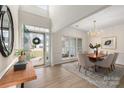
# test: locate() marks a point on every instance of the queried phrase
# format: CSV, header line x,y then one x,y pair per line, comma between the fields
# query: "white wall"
x,y
118,32
6,61
57,43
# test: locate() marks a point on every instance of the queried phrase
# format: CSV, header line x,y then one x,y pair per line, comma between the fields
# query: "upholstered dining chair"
x,y
84,62
102,53
114,60
106,63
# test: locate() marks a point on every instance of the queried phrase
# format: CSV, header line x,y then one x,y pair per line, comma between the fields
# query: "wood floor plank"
x,y
57,77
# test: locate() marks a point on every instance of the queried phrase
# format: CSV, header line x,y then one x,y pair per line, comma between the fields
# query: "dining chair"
x,y
84,62
106,63
102,53
114,60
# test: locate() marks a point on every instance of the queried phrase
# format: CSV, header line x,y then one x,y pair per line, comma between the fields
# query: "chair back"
x,y
115,57
81,59
102,53
109,60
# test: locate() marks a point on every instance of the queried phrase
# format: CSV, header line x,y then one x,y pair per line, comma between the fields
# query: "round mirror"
x,y
6,31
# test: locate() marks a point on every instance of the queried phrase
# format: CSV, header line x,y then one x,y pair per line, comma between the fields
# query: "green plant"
x,y
96,46
18,52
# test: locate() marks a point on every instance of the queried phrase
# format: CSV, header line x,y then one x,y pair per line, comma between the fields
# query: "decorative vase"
x,y
96,51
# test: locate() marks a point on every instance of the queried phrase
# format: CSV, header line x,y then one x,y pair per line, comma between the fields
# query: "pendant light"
x,y
94,32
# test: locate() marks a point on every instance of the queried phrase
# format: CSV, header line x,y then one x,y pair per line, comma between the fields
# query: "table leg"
x,y
95,68
22,85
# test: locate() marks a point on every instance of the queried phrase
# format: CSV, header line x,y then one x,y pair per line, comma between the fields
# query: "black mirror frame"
x,y
4,51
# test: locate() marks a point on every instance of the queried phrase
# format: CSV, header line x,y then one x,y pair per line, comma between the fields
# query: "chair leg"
x,y
107,71
95,68
113,66
86,71
79,68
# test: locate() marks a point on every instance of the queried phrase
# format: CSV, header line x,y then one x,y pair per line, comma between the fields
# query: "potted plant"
x,y
95,48
21,54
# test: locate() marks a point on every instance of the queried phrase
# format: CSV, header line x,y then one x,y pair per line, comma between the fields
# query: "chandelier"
x,y
94,32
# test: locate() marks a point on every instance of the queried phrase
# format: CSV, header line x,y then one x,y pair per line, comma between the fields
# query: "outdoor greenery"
x,y
34,54
18,52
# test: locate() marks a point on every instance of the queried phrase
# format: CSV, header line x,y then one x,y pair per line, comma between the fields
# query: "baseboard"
x,y
120,64
7,68
63,62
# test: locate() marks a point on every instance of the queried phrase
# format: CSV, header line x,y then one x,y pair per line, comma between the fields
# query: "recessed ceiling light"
x,y
77,25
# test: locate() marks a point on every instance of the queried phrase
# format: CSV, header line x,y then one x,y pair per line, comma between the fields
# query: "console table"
x,y
12,77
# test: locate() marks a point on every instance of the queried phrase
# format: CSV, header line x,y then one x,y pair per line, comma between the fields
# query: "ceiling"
x,y
40,10
110,16
63,16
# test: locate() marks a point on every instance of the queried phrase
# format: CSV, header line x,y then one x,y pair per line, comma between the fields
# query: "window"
x,y
79,45
70,46
65,47
36,29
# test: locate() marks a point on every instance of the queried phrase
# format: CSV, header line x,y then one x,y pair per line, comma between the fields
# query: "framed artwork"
x,y
109,43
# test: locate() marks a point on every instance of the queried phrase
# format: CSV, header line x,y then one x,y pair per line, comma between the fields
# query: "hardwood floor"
x,y
57,77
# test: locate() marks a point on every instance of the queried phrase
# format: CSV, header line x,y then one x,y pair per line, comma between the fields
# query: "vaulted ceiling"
x,y
111,16
40,10
65,15
79,16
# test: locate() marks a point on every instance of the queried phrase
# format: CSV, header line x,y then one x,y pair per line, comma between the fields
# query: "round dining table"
x,y
94,58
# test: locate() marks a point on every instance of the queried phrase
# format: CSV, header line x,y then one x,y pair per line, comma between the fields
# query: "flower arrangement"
x,y
94,47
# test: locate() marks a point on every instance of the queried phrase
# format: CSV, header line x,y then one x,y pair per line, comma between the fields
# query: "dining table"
x,y
96,58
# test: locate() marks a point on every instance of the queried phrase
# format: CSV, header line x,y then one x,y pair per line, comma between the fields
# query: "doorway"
x,y
37,50
36,45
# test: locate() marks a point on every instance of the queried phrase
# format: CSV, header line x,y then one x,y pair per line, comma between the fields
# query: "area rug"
x,y
99,78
